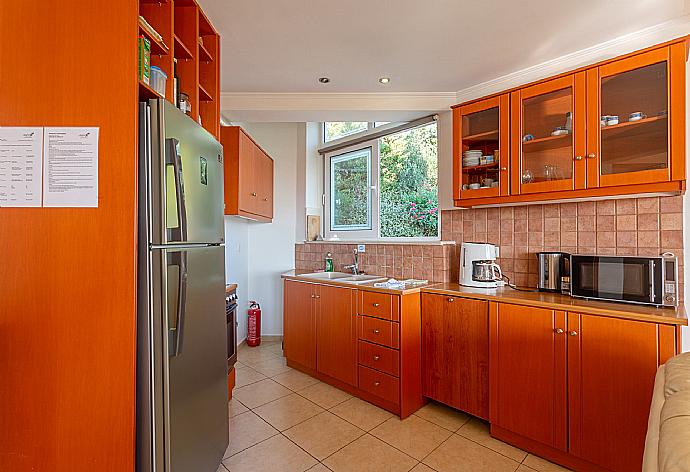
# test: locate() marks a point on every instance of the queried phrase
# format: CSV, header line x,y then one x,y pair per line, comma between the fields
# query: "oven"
x,y
630,279
231,322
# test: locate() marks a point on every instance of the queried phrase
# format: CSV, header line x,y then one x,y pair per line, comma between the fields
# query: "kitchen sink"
x,y
362,279
344,277
327,275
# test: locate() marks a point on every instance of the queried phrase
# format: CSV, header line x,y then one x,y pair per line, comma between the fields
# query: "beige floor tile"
x,y
369,454
251,356
259,393
273,455
235,407
276,349
542,465
462,455
323,434
295,380
288,411
443,416
272,367
247,429
422,468
413,435
246,376
324,395
478,431
362,414
221,469
524,468
319,468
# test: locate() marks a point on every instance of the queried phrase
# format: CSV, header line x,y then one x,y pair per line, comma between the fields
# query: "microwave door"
x,y
616,278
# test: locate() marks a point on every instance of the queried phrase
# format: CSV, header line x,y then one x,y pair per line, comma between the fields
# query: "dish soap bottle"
x,y
329,262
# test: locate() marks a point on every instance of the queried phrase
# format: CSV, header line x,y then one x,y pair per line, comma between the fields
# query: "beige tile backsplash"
x,y
632,226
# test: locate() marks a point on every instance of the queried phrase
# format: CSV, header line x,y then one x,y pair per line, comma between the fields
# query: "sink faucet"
x,y
355,266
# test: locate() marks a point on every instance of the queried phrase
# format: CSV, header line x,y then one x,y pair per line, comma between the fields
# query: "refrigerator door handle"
x,y
173,162
177,328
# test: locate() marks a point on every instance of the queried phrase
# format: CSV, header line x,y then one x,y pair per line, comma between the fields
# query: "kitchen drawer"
x,y
379,305
379,384
380,358
378,331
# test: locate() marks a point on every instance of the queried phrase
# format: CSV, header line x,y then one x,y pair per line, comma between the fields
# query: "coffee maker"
x,y
478,266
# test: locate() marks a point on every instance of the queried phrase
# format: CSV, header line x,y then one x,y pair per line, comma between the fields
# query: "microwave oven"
x,y
630,279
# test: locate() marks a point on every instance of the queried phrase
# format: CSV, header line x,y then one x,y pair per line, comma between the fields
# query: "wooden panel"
x,y
380,358
230,139
593,126
299,322
263,183
410,354
378,331
677,109
455,352
611,368
528,373
68,316
379,305
336,334
377,383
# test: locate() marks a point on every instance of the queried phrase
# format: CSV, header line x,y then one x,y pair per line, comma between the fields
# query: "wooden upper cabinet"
x,y
248,176
482,148
455,352
637,144
300,313
548,137
336,333
528,372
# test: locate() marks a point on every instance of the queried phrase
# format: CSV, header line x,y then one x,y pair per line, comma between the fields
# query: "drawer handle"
x,y
376,305
451,299
377,383
376,331
376,358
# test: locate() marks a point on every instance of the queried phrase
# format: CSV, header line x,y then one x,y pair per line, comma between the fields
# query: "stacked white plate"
x,y
471,158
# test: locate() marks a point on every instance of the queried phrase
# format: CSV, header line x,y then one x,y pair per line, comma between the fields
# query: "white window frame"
x,y
349,234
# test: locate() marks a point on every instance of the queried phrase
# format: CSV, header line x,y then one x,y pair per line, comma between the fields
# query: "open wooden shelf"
x,y
204,55
204,96
549,142
146,92
485,136
481,168
181,50
158,48
650,125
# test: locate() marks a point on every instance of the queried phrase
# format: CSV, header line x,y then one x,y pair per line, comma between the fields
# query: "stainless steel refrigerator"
x,y
182,389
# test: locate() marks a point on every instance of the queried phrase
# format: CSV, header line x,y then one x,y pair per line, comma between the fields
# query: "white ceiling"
x,y
423,45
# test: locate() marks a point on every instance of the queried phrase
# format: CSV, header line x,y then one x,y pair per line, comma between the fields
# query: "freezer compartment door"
x,y
186,179
196,348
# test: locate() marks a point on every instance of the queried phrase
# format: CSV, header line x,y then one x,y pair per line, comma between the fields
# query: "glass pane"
x,y
338,129
547,141
380,123
409,183
480,150
634,121
351,190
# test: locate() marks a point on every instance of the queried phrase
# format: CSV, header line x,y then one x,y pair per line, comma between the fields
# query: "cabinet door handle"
x,y
253,194
504,169
376,331
451,299
591,155
578,158
558,331
376,358
265,199
377,383
376,305
317,296
572,333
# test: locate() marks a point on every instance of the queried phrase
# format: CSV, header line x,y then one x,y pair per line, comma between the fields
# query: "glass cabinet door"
x,y
483,130
548,142
629,121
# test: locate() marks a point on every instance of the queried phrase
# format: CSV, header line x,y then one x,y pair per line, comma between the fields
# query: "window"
x,y
384,188
339,129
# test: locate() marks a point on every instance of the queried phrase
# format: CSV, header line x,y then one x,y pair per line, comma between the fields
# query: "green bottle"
x,y
329,262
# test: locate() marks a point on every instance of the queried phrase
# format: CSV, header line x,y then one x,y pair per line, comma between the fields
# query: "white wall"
x,y
445,160
686,207
257,253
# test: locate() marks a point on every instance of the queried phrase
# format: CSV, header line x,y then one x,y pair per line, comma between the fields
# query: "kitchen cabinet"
x,y
572,387
483,127
562,145
300,313
248,176
336,334
455,352
528,372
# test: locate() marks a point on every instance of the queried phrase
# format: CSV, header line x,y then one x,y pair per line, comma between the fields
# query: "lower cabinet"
x,y
299,322
455,352
336,334
572,387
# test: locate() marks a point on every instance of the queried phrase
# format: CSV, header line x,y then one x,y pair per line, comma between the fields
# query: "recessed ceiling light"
x,y
324,80
384,80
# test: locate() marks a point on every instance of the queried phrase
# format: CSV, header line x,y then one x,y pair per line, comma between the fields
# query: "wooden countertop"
x,y
230,287
556,301
369,286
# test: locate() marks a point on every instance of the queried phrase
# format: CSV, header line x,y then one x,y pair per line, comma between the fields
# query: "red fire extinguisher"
x,y
253,324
